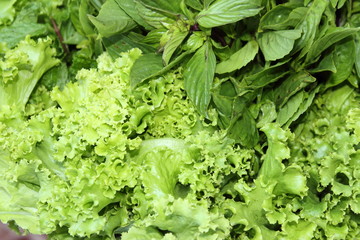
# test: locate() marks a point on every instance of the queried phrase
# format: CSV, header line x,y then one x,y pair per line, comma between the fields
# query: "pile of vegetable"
x,y
191,119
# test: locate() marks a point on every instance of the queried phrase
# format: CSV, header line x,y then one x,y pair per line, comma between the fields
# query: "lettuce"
x,y
180,119
124,155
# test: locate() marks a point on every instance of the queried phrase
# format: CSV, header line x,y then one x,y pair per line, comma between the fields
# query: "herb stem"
x,y
60,37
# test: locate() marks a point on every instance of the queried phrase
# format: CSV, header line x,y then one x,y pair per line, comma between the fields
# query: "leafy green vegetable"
x,y
239,59
277,44
21,69
193,119
223,12
199,75
7,11
112,20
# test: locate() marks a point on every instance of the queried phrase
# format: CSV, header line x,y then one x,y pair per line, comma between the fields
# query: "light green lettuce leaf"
x,y
21,68
7,12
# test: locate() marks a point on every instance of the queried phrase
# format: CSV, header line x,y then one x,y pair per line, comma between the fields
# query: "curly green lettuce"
x,y
101,157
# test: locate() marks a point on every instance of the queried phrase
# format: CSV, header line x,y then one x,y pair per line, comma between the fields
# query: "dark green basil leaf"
x,y
129,7
112,20
227,11
145,66
279,18
172,6
265,77
117,44
357,56
309,25
56,76
176,39
326,64
243,129
344,59
277,44
153,18
290,86
239,59
326,41
195,4
290,108
198,76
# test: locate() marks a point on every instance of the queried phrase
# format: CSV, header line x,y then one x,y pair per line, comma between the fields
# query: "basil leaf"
x,y
277,18
239,59
117,44
306,103
290,108
265,77
129,7
153,18
326,64
145,66
289,87
172,6
344,59
227,11
195,41
138,76
357,56
243,129
277,44
195,4
13,34
326,41
26,23
176,39
56,76
112,20
309,25
198,76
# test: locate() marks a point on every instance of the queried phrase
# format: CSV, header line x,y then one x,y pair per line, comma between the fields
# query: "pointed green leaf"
x,y
153,18
326,64
195,4
176,39
145,66
277,44
266,76
329,39
239,59
112,20
227,11
289,87
243,129
172,6
290,108
277,18
309,25
117,44
357,56
198,76
129,7
344,59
